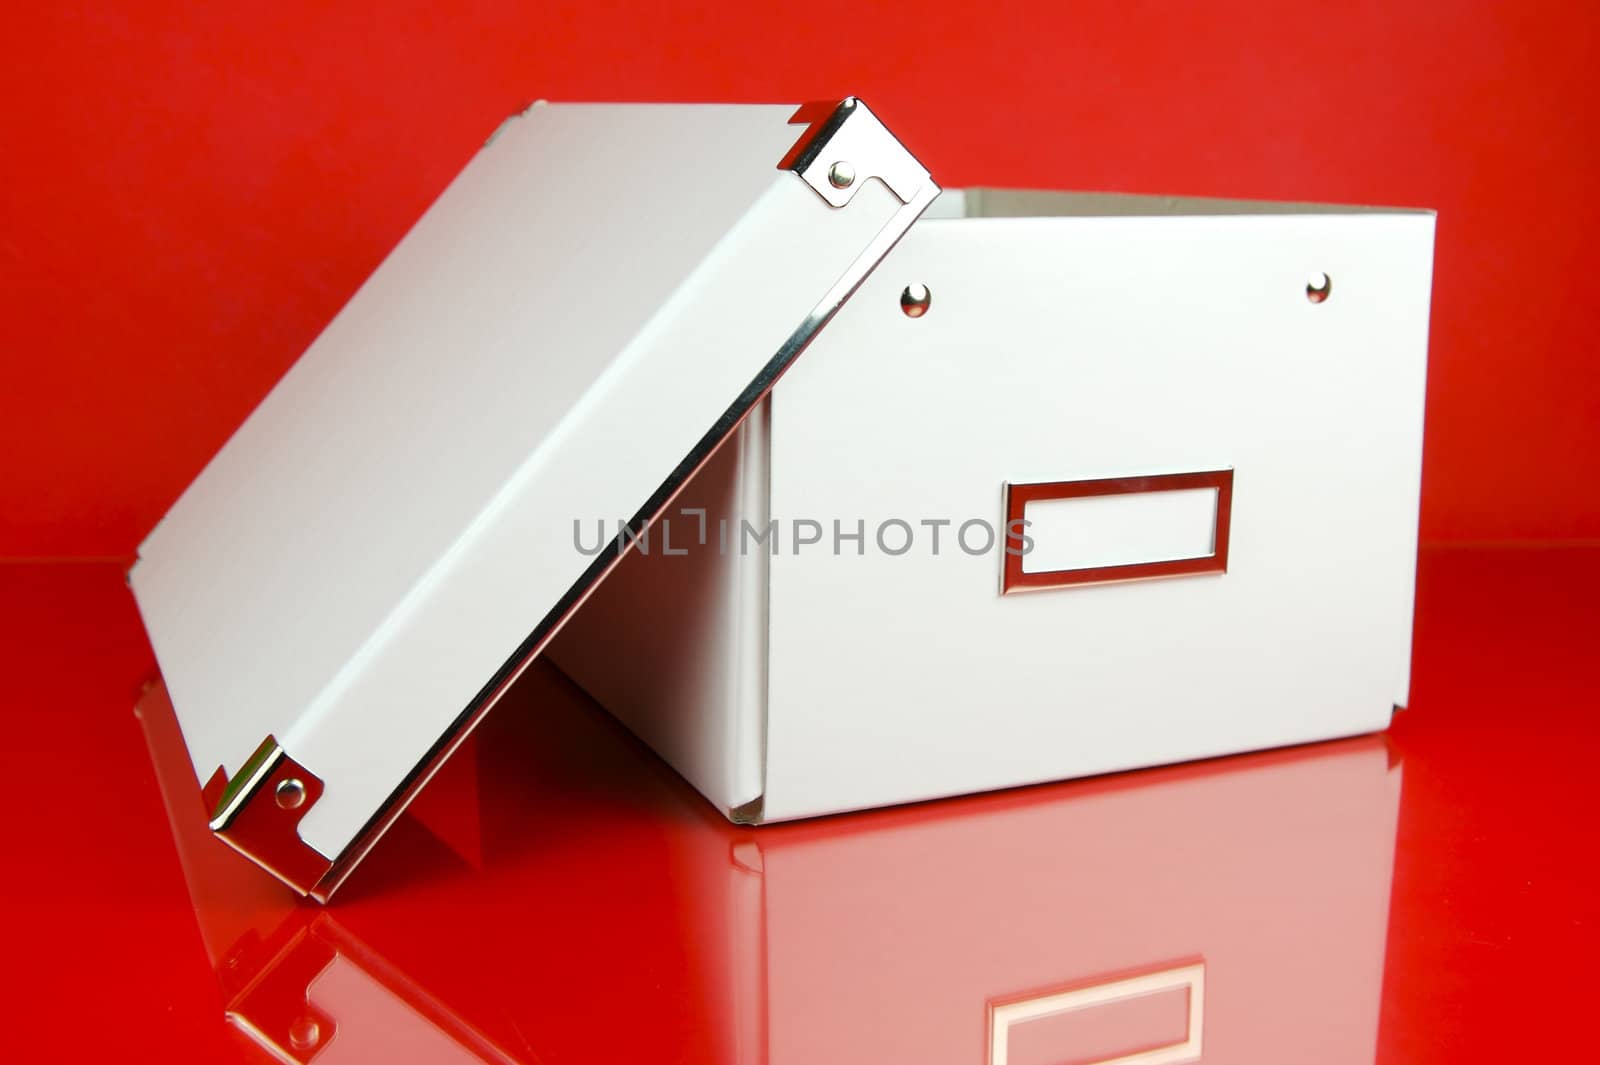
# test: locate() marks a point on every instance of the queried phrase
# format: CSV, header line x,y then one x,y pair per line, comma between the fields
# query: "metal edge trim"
x,y
243,784
345,862
809,148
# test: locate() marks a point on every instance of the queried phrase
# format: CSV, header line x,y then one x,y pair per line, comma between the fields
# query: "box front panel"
x,y
1067,350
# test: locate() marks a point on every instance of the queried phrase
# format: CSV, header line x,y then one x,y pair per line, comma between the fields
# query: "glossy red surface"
x,y
558,895
194,190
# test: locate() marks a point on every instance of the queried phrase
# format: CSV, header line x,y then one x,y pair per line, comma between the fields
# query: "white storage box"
x,y
587,311
836,613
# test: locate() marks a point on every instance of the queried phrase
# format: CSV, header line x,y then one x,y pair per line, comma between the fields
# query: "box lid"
x,y
566,335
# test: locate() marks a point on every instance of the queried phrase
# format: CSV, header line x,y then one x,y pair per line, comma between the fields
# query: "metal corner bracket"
x,y
257,812
845,146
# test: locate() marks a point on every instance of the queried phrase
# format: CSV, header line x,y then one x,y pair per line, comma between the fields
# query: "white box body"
x,y
1069,338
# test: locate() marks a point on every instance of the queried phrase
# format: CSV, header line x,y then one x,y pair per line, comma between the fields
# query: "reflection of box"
x,y
1159,389
1249,909
1235,909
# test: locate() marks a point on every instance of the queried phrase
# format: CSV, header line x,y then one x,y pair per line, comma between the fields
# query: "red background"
x,y
188,196
191,193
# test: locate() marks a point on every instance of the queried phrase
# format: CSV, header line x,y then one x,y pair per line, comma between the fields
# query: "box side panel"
x,y
1067,349
675,644
1404,439
458,359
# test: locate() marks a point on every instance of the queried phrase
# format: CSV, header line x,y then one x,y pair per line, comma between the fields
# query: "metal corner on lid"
x,y
258,810
845,146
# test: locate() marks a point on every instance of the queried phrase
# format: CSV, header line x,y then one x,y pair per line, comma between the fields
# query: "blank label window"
x,y
1119,529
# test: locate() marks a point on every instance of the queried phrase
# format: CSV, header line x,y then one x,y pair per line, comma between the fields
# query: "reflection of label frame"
x,y
1004,1014
1018,496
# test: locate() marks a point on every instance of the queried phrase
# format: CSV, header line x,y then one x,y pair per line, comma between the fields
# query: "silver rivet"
x,y
305,1033
290,794
1319,286
841,175
915,301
